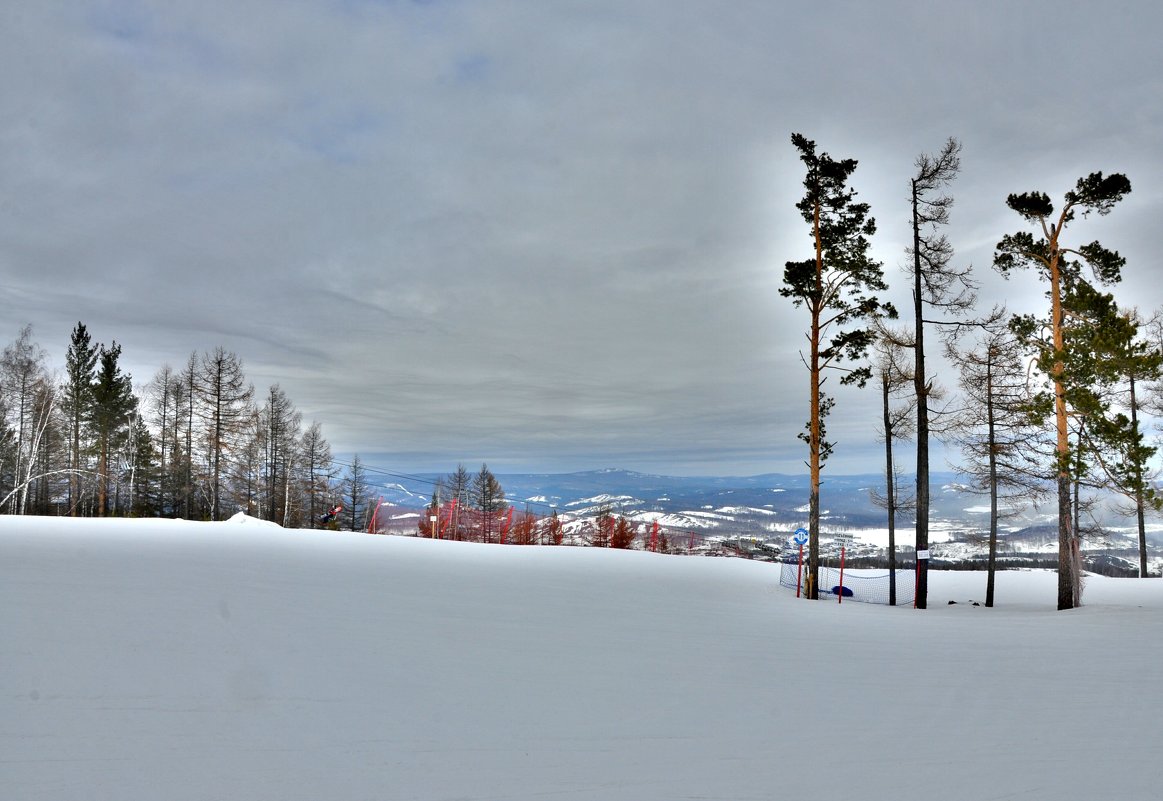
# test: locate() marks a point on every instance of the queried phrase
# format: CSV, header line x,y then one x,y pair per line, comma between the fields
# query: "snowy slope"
x,y
169,660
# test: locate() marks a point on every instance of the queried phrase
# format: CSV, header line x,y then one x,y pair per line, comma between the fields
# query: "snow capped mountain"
x,y
604,500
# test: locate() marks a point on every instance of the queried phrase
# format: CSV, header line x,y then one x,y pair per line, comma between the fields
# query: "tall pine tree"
x,y
1061,266
838,287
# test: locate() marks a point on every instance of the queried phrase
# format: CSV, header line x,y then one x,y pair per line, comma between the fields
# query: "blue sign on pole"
x,y
801,536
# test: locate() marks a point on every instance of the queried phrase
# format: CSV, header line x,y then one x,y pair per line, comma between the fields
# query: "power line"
x,y
427,481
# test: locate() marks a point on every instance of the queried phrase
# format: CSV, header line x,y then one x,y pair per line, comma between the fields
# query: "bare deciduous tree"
x,y
898,423
937,286
998,426
225,403
318,472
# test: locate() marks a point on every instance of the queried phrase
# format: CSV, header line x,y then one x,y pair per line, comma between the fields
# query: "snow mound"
x,y
242,518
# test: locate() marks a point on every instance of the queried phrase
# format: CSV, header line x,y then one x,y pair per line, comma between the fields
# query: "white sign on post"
x,y
923,554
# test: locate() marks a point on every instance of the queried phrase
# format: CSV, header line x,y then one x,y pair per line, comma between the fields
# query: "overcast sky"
x,y
544,234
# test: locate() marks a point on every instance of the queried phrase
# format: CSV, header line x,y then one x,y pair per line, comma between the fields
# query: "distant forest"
x,y
195,442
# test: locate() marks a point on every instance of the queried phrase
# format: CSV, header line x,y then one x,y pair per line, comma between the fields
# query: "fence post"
x,y
800,571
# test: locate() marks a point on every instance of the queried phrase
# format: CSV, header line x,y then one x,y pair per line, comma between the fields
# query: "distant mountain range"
x,y
724,503
770,507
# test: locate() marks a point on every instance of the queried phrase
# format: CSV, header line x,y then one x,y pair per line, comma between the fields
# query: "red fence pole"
x,y
443,530
505,527
371,528
916,581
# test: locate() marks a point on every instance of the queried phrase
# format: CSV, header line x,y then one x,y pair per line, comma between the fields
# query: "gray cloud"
x,y
542,235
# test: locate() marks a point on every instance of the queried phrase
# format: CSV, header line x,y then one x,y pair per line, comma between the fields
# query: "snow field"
x,y
164,659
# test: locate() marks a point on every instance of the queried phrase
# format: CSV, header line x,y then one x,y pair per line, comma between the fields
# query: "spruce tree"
x,y
110,414
144,477
1104,354
76,400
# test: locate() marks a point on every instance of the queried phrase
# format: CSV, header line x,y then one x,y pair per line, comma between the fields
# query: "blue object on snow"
x,y
845,591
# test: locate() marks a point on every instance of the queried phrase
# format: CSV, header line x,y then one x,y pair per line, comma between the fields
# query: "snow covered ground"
x,y
144,660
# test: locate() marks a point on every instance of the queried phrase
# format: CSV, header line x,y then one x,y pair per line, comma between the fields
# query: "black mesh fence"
x,y
864,584
860,584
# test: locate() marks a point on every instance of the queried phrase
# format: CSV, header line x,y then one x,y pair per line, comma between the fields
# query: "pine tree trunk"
x,y
814,443
1065,584
1066,562
1142,534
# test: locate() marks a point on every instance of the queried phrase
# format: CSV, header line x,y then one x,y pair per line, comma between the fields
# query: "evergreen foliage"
x,y
76,400
839,288
1060,357
109,415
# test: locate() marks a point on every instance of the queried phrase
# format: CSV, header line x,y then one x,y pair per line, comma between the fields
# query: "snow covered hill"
x,y
144,660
